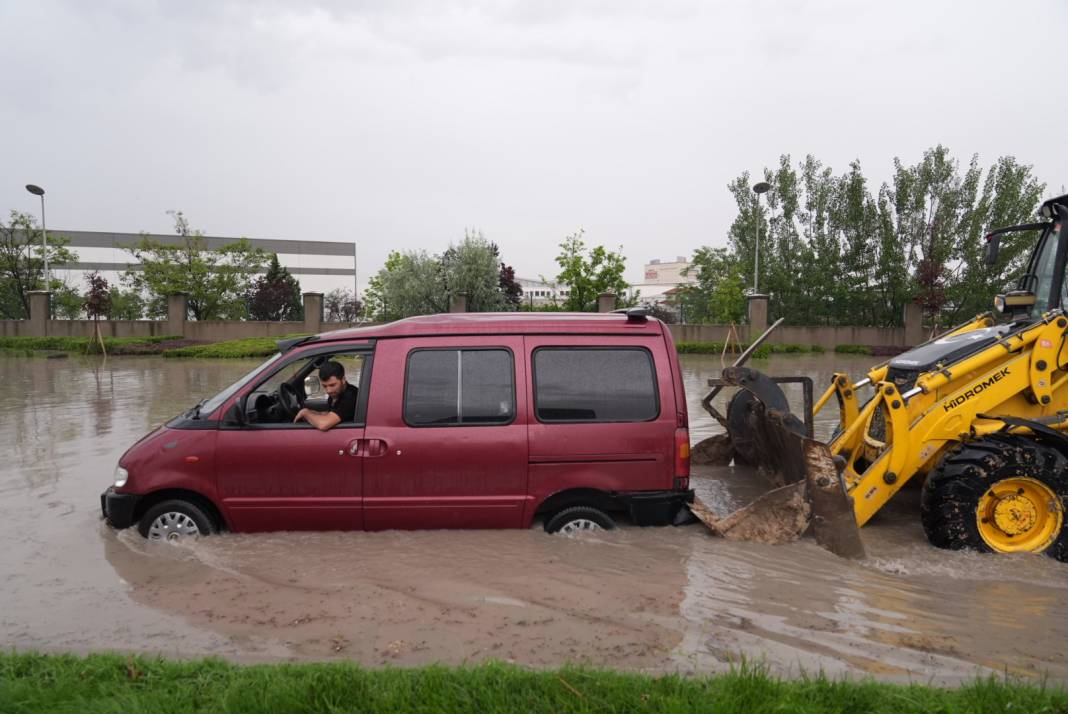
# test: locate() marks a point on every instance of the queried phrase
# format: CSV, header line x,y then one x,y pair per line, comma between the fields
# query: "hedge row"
x,y
85,345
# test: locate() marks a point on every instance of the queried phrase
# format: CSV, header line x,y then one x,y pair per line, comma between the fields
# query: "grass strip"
x,y
115,683
762,352
247,347
85,345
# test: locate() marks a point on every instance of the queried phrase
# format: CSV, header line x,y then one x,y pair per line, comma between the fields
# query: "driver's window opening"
x,y
277,399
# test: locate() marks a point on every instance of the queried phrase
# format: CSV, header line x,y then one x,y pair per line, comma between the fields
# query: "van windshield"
x,y
215,402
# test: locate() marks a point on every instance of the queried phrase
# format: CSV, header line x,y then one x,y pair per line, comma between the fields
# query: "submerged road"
x,y
666,599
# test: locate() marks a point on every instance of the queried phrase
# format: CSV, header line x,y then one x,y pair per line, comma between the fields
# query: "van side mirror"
x,y
312,385
993,243
235,415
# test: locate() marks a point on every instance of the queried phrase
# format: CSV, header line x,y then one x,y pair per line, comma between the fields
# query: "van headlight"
x,y
121,475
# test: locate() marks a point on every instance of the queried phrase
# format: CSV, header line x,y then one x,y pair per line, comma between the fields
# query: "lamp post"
x,y
762,187
38,191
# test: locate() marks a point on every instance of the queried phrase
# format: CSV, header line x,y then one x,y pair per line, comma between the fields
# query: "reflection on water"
x,y
654,599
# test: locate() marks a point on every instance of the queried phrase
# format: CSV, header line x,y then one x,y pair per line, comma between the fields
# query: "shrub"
x,y
114,345
248,347
853,349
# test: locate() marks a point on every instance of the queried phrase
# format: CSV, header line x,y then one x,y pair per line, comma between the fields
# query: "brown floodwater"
x,y
656,599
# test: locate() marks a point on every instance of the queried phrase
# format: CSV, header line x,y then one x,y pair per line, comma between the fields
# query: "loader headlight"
x,y
121,475
999,303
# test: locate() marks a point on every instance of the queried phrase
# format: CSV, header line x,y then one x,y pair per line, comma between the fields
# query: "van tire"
x,y
183,512
579,518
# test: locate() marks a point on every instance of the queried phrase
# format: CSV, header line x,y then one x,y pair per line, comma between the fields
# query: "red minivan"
x,y
469,420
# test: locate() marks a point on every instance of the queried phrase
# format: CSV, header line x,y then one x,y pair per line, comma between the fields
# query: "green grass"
x,y
762,352
248,347
116,683
82,345
853,349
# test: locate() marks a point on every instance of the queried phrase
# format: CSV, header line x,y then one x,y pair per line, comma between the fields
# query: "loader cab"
x,y
1042,287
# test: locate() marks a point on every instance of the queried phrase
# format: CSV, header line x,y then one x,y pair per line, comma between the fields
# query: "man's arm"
x,y
322,421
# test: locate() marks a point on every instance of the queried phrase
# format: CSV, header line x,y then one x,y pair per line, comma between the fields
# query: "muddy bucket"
x,y
806,489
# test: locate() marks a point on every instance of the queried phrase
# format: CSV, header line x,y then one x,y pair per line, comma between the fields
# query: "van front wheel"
x,y
578,519
175,521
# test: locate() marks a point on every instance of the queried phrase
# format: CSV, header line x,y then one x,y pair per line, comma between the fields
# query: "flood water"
x,y
658,599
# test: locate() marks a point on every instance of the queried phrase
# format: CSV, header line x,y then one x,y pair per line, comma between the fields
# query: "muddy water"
x,y
670,599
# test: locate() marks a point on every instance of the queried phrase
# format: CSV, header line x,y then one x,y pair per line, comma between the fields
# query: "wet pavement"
x,y
659,599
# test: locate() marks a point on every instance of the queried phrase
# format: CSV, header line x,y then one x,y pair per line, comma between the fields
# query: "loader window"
x,y
594,385
1044,276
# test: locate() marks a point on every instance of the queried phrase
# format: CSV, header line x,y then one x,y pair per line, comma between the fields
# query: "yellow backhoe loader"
x,y
980,413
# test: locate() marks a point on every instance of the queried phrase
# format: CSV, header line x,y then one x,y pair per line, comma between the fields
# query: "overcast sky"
x,y
397,124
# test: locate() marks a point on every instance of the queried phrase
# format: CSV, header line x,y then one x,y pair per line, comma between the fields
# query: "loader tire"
x,y
1002,493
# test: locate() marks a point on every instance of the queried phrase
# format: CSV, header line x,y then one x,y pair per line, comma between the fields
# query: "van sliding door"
x,y
602,414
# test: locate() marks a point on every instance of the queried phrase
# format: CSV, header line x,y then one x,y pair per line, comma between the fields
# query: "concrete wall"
x,y
217,331
826,337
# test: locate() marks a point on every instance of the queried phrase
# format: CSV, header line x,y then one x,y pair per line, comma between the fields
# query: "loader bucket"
x,y
807,491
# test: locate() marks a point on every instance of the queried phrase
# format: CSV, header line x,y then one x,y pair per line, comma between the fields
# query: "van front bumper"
x,y
118,508
655,508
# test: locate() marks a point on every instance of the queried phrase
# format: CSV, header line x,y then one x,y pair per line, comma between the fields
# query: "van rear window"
x,y
594,385
459,387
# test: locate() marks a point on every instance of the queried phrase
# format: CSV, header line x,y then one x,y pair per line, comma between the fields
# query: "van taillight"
x,y
682,458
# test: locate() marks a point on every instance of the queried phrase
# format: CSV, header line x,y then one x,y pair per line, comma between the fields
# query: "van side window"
x,y
459,387
594,385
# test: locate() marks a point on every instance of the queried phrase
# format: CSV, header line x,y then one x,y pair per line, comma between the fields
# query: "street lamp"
x,y
762,187
38,191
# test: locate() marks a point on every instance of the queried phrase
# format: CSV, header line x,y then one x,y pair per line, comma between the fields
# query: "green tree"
x,y
473,267
275,295
216,281
588,273
341,305
832,252
125,304
22,266
940,217
417,283
67,302
717,295
410,283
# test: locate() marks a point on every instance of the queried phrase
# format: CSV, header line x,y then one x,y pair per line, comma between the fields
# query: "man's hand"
x,y
300,415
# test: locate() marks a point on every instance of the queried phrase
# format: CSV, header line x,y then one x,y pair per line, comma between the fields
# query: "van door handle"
x,y
368,447
375,447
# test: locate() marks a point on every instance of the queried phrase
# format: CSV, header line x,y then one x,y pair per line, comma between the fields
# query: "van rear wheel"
x,y
175,521
578,519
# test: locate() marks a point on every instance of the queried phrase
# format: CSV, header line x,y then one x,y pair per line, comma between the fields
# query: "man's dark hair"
x,y
331,369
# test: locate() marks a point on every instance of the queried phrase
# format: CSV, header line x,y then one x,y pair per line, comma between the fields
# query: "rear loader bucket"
x,y
808,491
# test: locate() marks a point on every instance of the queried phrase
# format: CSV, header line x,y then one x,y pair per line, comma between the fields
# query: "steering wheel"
x,y
290,400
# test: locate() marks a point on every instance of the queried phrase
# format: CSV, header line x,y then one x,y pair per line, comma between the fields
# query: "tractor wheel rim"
x,y
1019,514
174,527
579,525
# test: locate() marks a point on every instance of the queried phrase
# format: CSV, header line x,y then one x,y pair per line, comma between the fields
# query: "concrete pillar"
x,y
758,315
40,312
606,302
313,313
458,303
913,324
177,313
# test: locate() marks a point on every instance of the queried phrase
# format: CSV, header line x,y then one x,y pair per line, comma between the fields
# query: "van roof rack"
x,y
634,314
